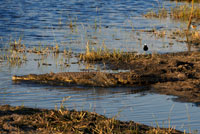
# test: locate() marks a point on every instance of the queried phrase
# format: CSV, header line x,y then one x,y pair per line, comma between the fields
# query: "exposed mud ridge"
x,y
24,120
173,74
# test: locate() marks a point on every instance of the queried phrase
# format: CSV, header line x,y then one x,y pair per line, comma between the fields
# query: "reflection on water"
x,y
70,24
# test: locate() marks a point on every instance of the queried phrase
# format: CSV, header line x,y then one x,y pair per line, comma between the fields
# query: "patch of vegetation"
x,y
28,120
185,0
161,13
17,54
181,12
103,53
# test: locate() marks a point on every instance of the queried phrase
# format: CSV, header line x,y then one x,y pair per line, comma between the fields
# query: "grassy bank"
x,y
28,120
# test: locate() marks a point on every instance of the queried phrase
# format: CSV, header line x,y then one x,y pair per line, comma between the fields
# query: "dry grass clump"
x,y
183,12
161,13
29,120
186,0
103,53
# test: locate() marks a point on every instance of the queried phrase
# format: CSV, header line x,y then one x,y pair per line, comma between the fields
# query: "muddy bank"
x,y
28,120
172,74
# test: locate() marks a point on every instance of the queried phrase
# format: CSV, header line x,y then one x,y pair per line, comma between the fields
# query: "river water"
x,y
70,24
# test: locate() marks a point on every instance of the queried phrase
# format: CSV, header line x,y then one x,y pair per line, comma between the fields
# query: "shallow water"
x,y
114,23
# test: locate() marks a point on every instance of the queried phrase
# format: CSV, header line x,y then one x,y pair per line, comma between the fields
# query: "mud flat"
x,y
31,120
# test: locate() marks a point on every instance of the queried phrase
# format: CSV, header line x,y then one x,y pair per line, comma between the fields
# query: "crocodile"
x,y
175,74
99,79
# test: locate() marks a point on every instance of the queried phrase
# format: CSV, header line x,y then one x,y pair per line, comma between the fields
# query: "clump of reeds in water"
x,y
11,55
16,53
161,13
18,47
102,53
185,0
183,12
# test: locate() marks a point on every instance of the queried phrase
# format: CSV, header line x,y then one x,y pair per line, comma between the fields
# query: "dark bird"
x,y
145,48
